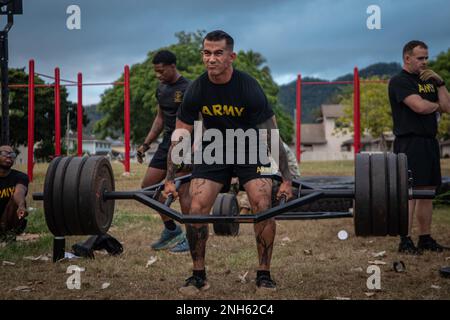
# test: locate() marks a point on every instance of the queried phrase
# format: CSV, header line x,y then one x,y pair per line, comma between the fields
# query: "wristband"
x,y
440,84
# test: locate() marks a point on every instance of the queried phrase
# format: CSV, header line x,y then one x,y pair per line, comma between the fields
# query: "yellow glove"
x,y
429,74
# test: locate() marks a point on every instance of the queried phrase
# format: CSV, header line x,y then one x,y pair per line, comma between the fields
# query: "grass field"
x,y
309,260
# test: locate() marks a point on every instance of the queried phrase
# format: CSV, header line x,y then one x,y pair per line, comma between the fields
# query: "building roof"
x,y
313,133
86,137
332,110
445,143
369,139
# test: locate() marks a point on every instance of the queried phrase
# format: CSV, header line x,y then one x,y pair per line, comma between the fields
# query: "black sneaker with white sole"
x,y
265,283
194,285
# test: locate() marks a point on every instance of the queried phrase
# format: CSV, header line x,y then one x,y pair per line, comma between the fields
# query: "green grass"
x,y
36,222
124,218
327,168
325,274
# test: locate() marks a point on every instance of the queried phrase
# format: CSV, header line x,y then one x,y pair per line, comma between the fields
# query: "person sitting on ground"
x,y
242,197
13,190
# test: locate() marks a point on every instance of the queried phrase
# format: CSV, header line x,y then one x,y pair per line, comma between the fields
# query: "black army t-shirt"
x,y
239,103
169,98
8,186
406,121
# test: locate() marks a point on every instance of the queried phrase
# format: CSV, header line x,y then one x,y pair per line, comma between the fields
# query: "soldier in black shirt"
x,y
417,96
169,95
227,99
13,190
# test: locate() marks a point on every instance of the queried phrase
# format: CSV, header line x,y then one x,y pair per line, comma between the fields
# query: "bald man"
x,y
13,190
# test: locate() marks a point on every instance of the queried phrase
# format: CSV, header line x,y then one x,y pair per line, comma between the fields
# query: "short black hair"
x,y
218,35
409,47
165,57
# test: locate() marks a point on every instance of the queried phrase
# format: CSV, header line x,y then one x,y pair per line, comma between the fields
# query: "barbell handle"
x,y
282,199
169,199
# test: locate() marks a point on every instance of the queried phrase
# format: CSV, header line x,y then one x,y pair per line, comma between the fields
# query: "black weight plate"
x,y
393,214
226,205
403,198
362,214
48,197
379,194
70,197
58,195
96,177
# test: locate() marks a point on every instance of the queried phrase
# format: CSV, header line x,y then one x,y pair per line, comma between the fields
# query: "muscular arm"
x,y
444,99
182,131
157,127
19,198
271,124
420,105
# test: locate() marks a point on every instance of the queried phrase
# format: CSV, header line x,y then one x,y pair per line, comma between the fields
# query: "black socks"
x,y
170,225
199,273
263,273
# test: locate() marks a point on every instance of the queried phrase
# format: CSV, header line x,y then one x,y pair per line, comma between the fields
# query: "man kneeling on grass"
x,y
13,190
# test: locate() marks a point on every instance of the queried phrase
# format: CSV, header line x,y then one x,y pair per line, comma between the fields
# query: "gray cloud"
x,y
323,38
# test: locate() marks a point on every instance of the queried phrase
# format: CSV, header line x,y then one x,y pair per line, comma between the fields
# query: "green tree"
x,y
44,114
376,116
143,84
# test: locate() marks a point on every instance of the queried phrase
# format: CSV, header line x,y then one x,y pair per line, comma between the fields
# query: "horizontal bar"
x,y
325,82
125,195
252,218
14,86
313,215
337,193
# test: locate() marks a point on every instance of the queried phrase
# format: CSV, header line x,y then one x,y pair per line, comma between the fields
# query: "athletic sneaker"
x,y
265,284
168,239
193,286
181,247
407,246
430,244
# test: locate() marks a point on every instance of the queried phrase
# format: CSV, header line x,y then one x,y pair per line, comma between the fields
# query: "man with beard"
x,y
13,190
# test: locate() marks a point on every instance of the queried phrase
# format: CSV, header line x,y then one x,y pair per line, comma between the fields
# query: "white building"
x,y
91,145
320,142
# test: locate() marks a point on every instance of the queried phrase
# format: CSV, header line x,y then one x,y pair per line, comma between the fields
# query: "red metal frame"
x,y
126,102
30,161
298,116
80,116
57,113
356,107
31,85
356,112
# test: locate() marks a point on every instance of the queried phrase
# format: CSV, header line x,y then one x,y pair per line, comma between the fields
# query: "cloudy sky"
x,y
321,38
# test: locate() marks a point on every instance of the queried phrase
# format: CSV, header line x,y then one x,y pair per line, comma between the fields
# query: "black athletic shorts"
x,y
222,173
159,160
423,158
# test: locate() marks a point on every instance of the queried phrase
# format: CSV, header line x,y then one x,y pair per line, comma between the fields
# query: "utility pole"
x,y
67,132
9,8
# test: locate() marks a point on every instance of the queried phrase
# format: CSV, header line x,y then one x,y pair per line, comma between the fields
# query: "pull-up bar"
x,y
57,102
